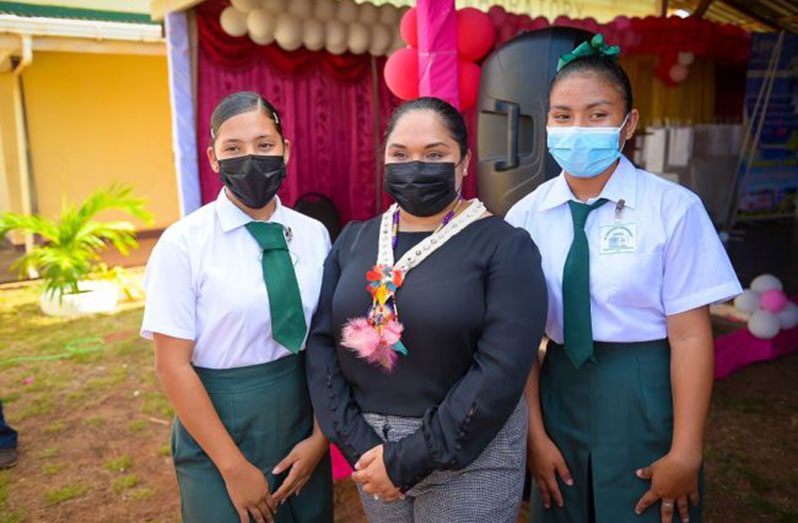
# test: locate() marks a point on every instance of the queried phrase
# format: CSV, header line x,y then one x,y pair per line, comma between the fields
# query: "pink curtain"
x,y
328,108
330,122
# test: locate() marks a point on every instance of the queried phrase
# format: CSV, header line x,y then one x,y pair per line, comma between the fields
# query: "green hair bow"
x,y
595,47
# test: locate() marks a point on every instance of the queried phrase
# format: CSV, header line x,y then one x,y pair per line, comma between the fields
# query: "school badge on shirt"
x,y
618,238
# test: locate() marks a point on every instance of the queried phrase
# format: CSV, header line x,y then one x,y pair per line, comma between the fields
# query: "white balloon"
x,y
335,36
301,8
288,34
275,6
748,301
245,6
764,325
380,40
765,282
336,49
359,38
788,317
369,13
389,14
313,37
262,25
325,10
686,58
347,11
233,21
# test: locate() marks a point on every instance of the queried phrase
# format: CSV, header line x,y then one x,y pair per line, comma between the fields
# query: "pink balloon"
x,y
401,73
469,73
773,300
408,27
475,34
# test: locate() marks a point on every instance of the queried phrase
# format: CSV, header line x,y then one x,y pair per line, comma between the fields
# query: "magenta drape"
x,y
328,108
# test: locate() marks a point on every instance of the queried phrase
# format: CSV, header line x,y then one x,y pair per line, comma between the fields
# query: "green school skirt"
x,y
608,418
266,410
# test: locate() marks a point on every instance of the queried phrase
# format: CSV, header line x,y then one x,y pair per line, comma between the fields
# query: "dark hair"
x,y
451,117
240,103
602,65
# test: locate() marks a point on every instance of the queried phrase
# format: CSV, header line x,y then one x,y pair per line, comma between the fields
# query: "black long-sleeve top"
x,y
473,314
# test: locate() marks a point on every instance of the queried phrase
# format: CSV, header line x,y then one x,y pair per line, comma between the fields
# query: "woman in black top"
x,y
428,324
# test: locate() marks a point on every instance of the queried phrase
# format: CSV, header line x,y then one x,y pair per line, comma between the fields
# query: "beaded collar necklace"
x,y
377,338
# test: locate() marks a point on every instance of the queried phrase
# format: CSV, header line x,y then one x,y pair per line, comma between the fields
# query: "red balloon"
x,y
475,34
408,27
468,73
497,14
401,73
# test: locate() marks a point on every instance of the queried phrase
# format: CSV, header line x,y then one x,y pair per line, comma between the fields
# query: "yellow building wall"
x,y
8,142
96,119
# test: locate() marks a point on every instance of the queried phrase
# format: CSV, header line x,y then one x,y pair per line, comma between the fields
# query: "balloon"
x,y
401,73
774,300
678,73
468,74
409,28
335,37
369,13
498,15
275,6
288,33
389,14
233,21
261,25
380,39
325,10
764,325
686,58
475,34
245,6
765,282
300,8
788,317
748,301
347,11
313,37
359,38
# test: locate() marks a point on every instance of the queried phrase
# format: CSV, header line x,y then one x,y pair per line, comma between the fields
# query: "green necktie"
x,y
285,302
577,323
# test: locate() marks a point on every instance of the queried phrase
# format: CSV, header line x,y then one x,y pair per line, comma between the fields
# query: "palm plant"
x,y
74,240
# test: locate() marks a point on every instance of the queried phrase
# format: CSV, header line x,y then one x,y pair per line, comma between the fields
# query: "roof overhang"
x,y
159,8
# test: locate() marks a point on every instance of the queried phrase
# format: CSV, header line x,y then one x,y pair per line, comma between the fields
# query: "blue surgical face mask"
x,y
585,152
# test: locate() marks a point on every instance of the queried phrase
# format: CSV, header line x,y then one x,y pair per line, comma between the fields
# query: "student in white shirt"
x,y
632,261
231,289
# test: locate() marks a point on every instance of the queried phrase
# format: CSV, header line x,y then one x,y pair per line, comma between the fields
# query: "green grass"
x,y
139,425
54,427
165,451
38,407
123,483
50,452
51,469
59,495
142,493
156,404
95,421
12,517
5,482
119,464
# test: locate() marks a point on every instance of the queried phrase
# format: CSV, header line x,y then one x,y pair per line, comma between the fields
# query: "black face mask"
x,y
421,188
254,179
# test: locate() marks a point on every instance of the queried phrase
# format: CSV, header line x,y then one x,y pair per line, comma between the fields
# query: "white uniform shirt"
x,y
660,255
204,283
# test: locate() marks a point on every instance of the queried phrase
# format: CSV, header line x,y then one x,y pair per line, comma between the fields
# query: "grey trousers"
x,y
488,490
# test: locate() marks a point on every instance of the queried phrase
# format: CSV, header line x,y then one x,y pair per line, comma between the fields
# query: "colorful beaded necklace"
x,y
377,338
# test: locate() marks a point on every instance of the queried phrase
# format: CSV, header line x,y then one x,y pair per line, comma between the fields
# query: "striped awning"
x,y
70,13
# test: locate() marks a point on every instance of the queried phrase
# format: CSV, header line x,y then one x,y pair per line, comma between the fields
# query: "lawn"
x,y
94,428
